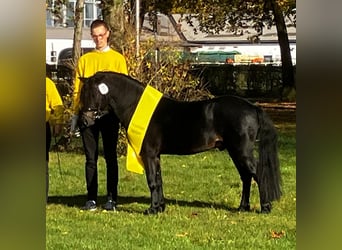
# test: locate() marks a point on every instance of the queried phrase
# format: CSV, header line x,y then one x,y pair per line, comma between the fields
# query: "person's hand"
x,y
57,129
74,121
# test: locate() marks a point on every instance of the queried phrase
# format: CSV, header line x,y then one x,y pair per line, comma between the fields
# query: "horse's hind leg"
x,y
246,189
246,165
246,178
155,184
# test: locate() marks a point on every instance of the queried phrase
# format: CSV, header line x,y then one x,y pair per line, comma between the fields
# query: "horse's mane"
x,y
128,77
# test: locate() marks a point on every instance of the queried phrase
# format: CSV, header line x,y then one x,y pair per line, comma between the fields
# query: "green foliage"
x,y
202,192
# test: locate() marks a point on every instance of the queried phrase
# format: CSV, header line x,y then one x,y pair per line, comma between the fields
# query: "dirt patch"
x,y
281,113
283,116
278,105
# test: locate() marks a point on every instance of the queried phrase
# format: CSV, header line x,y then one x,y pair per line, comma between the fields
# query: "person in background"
x,y
53,118
102,58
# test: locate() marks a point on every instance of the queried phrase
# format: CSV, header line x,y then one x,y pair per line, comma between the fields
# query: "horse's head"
x,y
94,100
106,92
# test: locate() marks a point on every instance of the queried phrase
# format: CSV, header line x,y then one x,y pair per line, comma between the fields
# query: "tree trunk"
x,y
76,51
107,12
289,86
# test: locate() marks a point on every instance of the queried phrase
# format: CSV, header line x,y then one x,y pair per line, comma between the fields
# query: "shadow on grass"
x,y
79,201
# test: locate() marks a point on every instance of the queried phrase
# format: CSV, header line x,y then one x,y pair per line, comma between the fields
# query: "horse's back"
x,y
232,110
176,125
191,127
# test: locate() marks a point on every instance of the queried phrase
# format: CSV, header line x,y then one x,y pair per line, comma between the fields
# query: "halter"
x,y
89,116
95,113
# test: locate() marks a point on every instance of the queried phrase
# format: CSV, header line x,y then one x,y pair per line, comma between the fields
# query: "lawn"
x,y
202,193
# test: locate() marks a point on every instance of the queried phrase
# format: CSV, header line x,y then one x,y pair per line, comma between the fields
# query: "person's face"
x,y
100,37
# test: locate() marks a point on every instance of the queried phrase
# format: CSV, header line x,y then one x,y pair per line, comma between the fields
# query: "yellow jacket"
x,y
92,62
54,104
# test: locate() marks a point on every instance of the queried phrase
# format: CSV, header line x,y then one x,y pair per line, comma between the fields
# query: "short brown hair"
x,y
96,23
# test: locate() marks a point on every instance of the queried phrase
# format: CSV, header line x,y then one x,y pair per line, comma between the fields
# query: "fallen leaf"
x,y
182,234
194,214
277,235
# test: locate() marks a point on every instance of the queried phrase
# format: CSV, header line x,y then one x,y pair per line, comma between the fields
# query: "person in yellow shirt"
x,y
102,58
53,118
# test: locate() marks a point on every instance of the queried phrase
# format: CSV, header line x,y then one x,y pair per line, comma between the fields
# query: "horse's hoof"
x,y
156,210
162,208
244,208
150,211
266,208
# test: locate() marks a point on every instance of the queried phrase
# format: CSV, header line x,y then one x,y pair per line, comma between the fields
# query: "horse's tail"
x,y
268,169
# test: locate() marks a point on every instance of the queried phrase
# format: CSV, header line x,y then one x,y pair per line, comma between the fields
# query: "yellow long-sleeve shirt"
x,y
92,62
53,103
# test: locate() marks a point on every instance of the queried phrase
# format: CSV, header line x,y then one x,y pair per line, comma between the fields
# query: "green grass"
x,y
202,193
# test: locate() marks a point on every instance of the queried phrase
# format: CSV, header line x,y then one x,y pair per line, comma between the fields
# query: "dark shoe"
x,y
90,206
110,205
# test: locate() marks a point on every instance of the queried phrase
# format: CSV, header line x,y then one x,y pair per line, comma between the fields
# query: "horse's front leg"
x,y
155,184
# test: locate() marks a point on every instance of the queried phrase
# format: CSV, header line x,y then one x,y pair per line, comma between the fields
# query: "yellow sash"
x,y
138,126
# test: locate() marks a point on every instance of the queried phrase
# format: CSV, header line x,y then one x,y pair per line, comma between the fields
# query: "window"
x,y
50,22
49,19
91,12
70,12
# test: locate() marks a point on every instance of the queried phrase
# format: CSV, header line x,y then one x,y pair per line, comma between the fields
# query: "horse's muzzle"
x,y
88,118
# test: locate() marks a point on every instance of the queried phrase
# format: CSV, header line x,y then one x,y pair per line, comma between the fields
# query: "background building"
x,y
202,48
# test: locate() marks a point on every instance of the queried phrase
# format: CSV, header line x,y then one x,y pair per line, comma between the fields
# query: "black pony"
x,y
178,127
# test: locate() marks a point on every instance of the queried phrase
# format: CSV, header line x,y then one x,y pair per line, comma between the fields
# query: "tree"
x,y
107,7
112,13
289,85
76,50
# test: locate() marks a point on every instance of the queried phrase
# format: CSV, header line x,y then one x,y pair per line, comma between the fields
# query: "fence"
x,y
254,80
